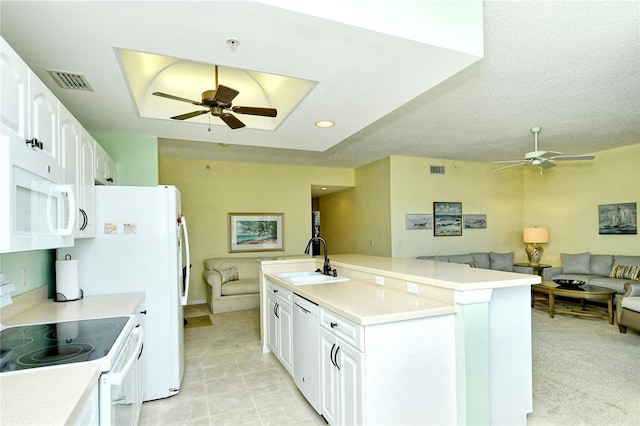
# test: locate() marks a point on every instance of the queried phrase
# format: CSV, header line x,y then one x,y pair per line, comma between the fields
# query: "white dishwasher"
x,y
306,349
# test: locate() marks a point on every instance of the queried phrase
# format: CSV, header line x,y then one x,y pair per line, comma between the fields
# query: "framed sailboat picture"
x,y
618,219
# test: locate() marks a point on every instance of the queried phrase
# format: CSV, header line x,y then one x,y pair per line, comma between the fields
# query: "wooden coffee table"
x,y
583,293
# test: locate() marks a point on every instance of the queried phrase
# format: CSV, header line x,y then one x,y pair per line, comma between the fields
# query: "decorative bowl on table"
x,y
568,283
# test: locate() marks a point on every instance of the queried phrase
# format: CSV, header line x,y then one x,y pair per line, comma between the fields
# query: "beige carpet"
x,y
584,372
199,321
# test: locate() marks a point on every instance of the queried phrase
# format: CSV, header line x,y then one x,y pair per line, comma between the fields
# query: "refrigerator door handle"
x,y
187,267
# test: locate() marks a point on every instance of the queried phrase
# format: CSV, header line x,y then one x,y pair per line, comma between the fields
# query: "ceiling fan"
x,y
537,158
217,102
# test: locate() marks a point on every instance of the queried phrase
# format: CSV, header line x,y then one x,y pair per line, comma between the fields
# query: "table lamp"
x,y
533,237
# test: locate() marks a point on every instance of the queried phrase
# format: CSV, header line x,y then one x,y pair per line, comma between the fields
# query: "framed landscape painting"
x,y
256,232
418,221
475,221
447,219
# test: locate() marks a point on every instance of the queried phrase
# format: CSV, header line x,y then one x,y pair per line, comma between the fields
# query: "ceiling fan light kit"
x,y
537,157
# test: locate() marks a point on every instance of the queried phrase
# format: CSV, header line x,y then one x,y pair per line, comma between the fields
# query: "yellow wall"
x,y
212,189
566,198
358,220
477,186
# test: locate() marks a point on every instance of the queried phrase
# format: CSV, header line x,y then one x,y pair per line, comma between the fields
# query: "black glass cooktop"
x,y
40,345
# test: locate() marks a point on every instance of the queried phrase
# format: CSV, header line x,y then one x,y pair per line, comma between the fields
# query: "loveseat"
x,y
233,283
484,260
604,270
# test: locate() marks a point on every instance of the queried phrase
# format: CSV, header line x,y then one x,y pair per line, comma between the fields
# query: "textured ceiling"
x,y
571,67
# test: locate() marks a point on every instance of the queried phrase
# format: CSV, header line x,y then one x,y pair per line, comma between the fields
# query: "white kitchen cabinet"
x,y
43,122
105,167
14,87
341,374
399,372
78,162
280,324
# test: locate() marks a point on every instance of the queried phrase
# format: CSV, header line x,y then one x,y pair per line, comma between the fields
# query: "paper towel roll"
x,y
67,285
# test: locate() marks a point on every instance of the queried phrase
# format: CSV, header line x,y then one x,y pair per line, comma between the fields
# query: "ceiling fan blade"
x,y
573,157
520,163
190,115
547,164
231,121
225,95
510,161
176,98
264,112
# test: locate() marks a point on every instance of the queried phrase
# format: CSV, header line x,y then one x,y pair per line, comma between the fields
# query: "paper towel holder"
x,y
60,297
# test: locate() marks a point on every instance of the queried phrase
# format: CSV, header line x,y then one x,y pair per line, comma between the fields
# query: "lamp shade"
x,y
535,235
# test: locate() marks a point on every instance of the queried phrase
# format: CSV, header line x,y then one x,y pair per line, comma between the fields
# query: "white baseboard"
x,y
196,302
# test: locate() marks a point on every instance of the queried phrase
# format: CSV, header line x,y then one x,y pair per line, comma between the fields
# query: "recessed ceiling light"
x,y
224,145
324,188
325,123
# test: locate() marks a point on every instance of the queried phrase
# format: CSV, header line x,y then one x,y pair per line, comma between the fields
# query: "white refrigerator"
x,y
141,245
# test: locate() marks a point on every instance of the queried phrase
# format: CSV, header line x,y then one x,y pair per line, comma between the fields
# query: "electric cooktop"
x,y
41,345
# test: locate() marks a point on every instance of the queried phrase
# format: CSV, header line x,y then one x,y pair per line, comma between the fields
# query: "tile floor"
x,y
229,381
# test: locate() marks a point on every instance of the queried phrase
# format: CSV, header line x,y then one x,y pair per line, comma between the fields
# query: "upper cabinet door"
x,y
14,85
44,118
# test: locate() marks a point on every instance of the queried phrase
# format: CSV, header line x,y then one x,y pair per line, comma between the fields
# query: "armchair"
x,y
628,307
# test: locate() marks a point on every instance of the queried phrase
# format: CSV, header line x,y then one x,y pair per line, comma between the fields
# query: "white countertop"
x,y
365,303
53,395
455,276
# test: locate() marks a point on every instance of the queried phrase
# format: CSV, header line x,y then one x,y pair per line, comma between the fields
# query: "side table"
x,y
537,268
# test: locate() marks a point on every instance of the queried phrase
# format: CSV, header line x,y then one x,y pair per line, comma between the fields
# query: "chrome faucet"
x,y
326,268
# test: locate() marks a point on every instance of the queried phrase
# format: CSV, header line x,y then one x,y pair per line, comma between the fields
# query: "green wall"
x,y
38,266
212,189
136,157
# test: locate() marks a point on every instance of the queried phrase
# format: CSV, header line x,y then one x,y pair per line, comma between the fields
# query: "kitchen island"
x,y
57,395
485,314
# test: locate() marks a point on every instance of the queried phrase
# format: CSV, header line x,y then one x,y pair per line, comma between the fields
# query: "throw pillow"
x,y
575,263
501,261
626,272
472,264
229,274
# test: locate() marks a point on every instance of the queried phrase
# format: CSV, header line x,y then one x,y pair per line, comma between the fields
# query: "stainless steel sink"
x,y
309,278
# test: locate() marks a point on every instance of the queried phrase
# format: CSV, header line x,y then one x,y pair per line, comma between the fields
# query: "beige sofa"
x,y
232,289
628,307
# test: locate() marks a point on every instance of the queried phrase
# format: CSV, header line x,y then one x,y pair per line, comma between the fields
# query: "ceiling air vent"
x,y
436,170
70,80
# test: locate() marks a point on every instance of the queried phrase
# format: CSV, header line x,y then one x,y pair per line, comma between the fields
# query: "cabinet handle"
x,y
331,355
110,180
276,308
144,312
275,290
35,143
333,324
336,358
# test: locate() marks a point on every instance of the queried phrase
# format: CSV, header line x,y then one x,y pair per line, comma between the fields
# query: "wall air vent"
x,y
436,170
70,80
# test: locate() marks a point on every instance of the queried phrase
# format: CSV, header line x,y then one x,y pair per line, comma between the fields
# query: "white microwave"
x,y
37,211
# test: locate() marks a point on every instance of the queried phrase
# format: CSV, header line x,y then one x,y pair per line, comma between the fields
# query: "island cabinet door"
x,y
341,381
285,338
272,324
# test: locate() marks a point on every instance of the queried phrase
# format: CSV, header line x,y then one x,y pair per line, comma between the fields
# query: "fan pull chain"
x,y
209,122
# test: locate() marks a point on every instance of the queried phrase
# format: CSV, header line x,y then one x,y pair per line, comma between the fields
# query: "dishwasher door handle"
x,y
306,311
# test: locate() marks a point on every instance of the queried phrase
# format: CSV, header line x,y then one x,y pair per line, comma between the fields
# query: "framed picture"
x,y
475,221
418,221
618,219
447,219
256,232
